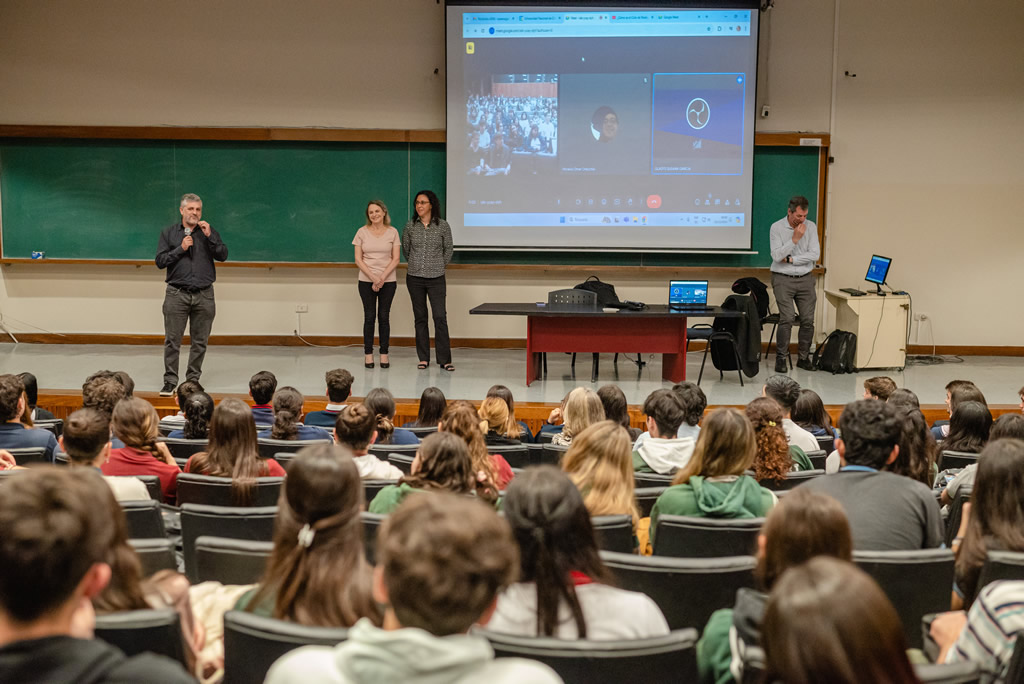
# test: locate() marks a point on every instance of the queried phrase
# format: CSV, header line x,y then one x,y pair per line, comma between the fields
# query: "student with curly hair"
x,y
492,470
775,456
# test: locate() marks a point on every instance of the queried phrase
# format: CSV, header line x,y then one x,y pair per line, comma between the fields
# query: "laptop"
x,y
688,295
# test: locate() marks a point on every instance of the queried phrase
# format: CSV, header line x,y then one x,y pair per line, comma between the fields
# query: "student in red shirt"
x,y
135,423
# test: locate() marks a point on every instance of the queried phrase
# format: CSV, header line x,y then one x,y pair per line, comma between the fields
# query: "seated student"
x,y
432,405
663,452
694,402
181,395
13,434
564,589
996,517
442,464
52,569
101,391
356,429
810,414
317,573
553,423
807,639
339,388
616,409
198,412
126,380
287,424
714,484
86,441
986,635
775,457
25,418
902,397
129,590
969,427
957,392
425,636
582,409
262,387
32,392
492,470
887,512
916,458
135,423
803,525
879,387
233,451
494,418
786,391
1008,425
600,464
513,429
382,403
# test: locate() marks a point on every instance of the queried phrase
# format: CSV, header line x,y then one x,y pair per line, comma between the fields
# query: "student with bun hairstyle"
x,y
442,464
86,441
827,621
317,573
356,429
494,420
564,589
288,403
136,424
381,403
803,525
233,451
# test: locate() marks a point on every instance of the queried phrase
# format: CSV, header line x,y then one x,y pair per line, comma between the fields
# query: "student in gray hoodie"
x,y
441,561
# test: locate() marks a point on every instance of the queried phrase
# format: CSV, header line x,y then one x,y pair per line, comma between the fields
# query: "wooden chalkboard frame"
x,y
820,140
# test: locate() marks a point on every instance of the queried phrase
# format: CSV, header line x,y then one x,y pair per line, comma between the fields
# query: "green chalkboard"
x,y
283,202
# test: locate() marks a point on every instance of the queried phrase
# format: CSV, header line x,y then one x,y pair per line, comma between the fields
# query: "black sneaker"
x,y
780,365
168,389
806,364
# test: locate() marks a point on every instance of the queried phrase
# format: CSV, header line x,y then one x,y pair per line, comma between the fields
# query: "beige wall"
x,y
926,137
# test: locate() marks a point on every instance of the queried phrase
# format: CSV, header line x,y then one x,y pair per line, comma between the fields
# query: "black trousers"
x,y
197,309
434,289
377,308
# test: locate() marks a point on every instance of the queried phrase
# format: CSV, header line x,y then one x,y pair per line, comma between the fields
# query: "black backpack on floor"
x,y
836,353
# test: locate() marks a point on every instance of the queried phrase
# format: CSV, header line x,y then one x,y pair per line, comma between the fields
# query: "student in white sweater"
x,y
564,589
356,428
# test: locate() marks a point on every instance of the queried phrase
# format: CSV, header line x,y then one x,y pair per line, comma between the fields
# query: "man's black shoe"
x,y
780,364
806,364
168,390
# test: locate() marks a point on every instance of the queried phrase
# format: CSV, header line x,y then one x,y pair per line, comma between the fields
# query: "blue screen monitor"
x,y
878,269
688,293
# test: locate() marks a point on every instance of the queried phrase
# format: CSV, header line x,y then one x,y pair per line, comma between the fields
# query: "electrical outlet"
x,y
765,111
302,308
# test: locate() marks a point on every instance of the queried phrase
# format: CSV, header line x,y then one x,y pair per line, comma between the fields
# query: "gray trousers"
x,y
799,292
198,310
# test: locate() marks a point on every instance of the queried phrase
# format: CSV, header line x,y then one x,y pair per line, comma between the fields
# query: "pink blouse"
x,y
376,251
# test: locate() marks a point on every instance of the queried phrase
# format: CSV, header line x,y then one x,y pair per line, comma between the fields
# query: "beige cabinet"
x,y
880,324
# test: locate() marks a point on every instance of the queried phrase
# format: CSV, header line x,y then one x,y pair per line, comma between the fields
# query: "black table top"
x,y
541,309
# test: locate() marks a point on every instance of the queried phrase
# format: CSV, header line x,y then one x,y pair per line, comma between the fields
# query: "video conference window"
x,y
595,128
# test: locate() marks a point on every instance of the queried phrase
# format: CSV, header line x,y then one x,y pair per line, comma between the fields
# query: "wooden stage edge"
x,y
467,342
63,402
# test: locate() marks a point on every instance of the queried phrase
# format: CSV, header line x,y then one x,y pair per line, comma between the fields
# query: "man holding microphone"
x,y
187,250
795,250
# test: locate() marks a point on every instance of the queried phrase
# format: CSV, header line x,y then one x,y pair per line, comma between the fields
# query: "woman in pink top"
x,y
377,248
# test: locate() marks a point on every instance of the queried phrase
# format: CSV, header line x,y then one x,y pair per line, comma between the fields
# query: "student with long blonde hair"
x,y
494,421
583,408
599,463
516,429
492,471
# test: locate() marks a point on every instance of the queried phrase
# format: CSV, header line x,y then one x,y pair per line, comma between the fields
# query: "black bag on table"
x,y
605,291
836,353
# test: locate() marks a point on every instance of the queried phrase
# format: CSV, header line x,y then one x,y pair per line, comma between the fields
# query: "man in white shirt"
x,y
794,247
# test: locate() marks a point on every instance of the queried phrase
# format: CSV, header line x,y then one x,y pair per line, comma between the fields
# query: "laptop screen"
x,y
688,292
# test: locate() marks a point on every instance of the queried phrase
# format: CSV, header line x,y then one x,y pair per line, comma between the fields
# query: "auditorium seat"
x,y
692,537
654,660
269,448
371,525
183,449
372,487
826,443
641,480
956,507
382,451
284,459
216,491
141,631
401,461
155,555
144,519
553,453
818,458
54,425
231,561
254,523
916,582
253,643
517,455
792,480
614,532
645,498
956,459
152,483
28,455
688,590
422,432
1001,565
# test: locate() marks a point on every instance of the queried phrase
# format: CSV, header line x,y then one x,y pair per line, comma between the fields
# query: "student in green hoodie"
x,y
802,526
713,484
442,464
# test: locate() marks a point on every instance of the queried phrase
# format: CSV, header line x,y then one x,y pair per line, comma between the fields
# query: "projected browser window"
x,y
600,129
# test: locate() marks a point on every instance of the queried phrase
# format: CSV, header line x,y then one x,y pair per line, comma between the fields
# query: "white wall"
x,y
927,141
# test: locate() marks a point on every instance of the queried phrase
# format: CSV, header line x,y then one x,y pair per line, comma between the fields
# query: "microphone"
x,y
188,233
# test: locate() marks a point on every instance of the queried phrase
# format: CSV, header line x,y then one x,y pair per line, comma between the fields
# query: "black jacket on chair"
x,y
747,333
